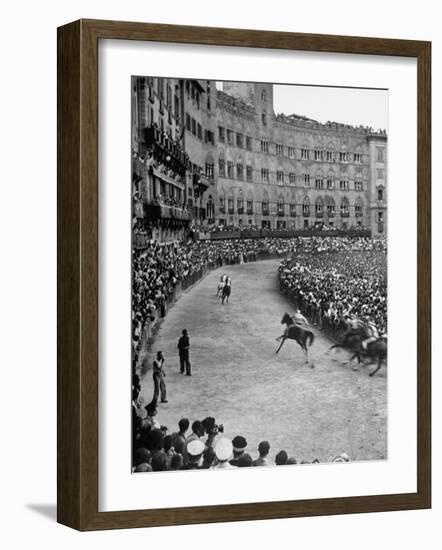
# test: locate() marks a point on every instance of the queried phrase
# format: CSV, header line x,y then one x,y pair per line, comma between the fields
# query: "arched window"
x,y
319,207
280,206
331,208
306,207
210,209
240,202
358,208
264,118
345,207
265,204
222,201
263,96
230,202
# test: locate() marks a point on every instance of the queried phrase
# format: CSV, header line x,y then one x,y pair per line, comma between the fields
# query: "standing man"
x,y
158,378
184,351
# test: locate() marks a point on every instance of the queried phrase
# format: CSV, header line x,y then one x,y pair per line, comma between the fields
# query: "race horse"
x,y
303,337
375,350
225,293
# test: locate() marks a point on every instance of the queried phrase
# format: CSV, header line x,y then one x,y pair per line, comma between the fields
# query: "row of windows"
x,y
227,169
319,206
241,141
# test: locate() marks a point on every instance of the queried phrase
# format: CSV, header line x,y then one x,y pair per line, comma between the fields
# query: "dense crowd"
x,y
339,283
197,445
158,268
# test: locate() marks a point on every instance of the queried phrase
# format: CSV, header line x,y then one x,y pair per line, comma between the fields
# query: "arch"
x,y
319,205
249,202
265,203
306,206
344,206
263,96
210,208
359,207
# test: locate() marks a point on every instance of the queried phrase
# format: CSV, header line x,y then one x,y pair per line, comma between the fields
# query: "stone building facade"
x,y
217,157
280,171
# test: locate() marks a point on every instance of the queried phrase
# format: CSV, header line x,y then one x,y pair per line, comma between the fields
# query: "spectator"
x,y
263,449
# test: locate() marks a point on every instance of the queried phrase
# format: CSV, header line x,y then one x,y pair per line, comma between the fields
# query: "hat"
x,y
223,449
239,443
343,457
195,447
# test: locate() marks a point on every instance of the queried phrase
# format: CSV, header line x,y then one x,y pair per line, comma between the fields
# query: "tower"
x,y
258,94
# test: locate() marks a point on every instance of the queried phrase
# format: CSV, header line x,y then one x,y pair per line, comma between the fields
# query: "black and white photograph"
x,y
259,274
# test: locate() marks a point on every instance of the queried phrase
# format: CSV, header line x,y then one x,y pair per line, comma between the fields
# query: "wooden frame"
x,y
78,274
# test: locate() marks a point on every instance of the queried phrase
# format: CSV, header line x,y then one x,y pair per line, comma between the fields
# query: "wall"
x,y
28,349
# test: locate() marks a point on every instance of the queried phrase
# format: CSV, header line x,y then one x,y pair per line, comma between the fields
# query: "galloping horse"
x,y
297,333
375,350
226,293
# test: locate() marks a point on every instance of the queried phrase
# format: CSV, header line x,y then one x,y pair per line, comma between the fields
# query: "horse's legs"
x,y
378,367
333,347
282,338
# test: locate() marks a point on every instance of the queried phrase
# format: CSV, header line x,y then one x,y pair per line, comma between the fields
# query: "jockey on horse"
x,y
372,331
221,284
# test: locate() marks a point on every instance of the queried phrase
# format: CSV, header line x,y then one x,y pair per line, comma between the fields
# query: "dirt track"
x,y
312,413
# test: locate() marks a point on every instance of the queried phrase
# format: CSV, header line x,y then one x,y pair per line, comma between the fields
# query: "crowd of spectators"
x,y
339,282
197,445
165,200
342,279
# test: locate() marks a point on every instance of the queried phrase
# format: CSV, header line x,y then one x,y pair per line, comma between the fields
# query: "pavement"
x,y
319,410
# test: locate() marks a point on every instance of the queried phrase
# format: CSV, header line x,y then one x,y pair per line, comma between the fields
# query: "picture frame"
x,y
78,281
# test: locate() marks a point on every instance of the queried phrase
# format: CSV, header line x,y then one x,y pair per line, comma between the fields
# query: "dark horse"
x,y
297,333
375,350
226,293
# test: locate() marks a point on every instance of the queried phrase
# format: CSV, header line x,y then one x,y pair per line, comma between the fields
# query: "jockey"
x,y
299,318
372,331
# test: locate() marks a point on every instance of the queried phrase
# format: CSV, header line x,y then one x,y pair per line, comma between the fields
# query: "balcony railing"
x,y
345,214
160,211
319,214
331,214
358,214
265,212
240,210
231,210
281,212
292,213
249,211
222,209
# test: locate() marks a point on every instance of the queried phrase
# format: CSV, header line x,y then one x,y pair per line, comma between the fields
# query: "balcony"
x,y
293,213
222,209
319,214
280,212
265,212
154,212
231,211
345,214
358,214
240,210
249,211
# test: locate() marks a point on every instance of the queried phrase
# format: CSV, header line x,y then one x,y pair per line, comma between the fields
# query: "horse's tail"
x,y
310,337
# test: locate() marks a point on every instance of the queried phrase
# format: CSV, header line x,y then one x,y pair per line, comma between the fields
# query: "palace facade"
x,y
208,157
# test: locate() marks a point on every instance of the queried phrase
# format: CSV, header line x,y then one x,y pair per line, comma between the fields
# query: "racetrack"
x,y
312,413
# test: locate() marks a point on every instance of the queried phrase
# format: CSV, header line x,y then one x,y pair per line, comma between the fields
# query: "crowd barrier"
x,y
281,233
